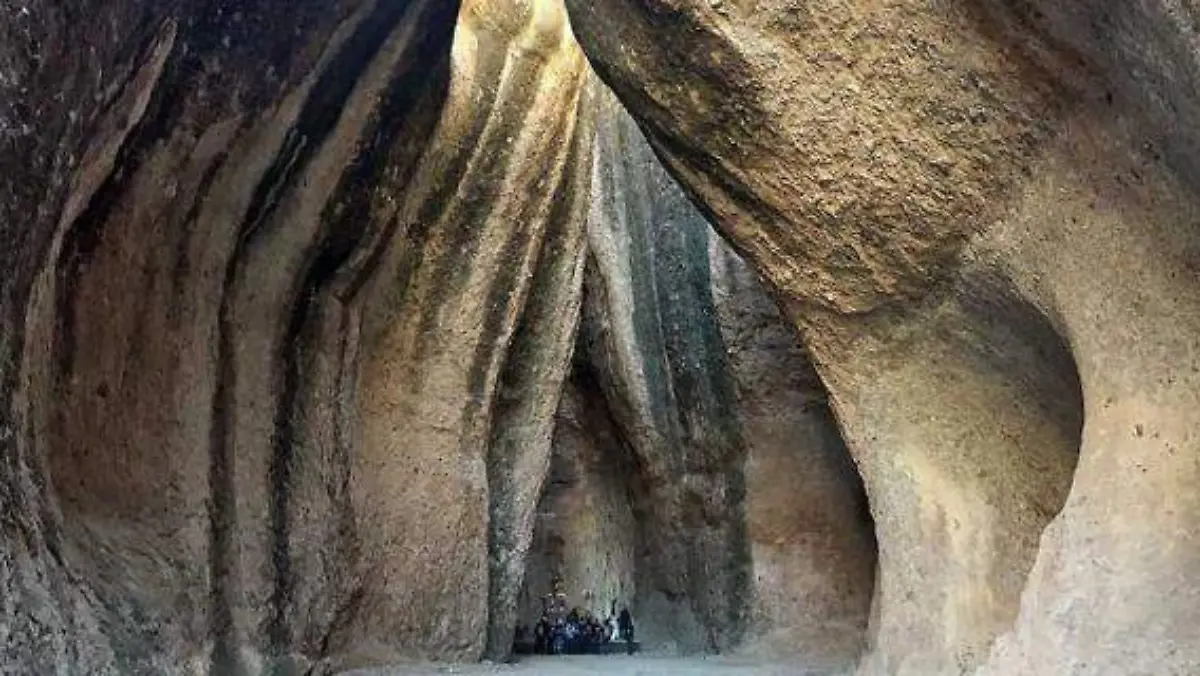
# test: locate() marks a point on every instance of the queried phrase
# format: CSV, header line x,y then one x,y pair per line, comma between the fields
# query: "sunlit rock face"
x,y
981,216
467,344
290,293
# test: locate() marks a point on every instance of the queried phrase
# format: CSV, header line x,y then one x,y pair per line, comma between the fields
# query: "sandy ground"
x,y
609,665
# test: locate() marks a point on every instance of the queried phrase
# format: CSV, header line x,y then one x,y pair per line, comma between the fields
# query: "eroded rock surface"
x,y
979,215
263,299
656,349
812,541
693,409
463,366
291,291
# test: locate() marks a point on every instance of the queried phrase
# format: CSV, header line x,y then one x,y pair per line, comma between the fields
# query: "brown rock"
x,y
697,475
811,536
966,209
291,291
587,536
439,426
262,268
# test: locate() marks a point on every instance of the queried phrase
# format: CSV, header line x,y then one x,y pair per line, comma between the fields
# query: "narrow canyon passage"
x,y
827,338
767,547
587,537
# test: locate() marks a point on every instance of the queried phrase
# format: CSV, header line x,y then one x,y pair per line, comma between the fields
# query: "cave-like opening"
x,y
695,449
586,540
967,432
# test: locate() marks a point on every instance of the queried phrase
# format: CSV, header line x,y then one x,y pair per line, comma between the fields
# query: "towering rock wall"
x,y
750,526
291,290
979,215
161,149
270,271
466,353
812,542
655,346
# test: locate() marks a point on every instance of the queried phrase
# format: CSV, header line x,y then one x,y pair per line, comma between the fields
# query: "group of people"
x,y
579,632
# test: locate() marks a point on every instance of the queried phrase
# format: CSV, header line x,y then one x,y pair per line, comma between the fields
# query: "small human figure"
x,y
558,640
519,636
625,623
614,629
571,633
541,636
599,634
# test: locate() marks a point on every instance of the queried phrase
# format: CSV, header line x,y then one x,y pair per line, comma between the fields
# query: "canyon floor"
x,y
613,665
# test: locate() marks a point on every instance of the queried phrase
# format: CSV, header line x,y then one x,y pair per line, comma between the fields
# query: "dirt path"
x,y
609,665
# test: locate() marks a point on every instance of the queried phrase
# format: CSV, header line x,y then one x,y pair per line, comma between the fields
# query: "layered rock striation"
x,y
697,475
288,291
329,334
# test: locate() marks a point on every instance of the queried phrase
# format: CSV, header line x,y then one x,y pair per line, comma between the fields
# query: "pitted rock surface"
x,y
981,217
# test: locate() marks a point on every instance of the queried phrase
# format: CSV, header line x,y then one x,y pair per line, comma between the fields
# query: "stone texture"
x,y
656,349
440,428
586,536
290,293
979,215
225,229
693,409
811,536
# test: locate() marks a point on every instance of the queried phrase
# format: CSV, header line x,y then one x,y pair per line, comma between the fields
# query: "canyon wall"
x,y
290,294
812,541
693,408
979,216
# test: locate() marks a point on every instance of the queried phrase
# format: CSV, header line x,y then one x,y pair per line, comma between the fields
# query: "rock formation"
x,y
697,473
587,537
979,215
271,338
307,307
811,537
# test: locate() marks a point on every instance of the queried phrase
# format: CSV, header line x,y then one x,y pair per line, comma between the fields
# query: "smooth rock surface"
x,y
454,436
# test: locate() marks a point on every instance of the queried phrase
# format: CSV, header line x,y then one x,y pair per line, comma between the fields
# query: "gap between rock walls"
x,y
834,336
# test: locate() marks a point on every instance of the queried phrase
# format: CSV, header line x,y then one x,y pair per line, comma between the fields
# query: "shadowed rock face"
x,y
697,475
263,308
587,537
980,215
649,331
811,538
291,292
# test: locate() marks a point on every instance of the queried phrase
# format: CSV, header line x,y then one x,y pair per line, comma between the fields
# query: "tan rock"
x,y
263,265
811,537
977,214
750,524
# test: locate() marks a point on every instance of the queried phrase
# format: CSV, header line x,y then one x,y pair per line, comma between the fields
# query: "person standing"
x,y
625,625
